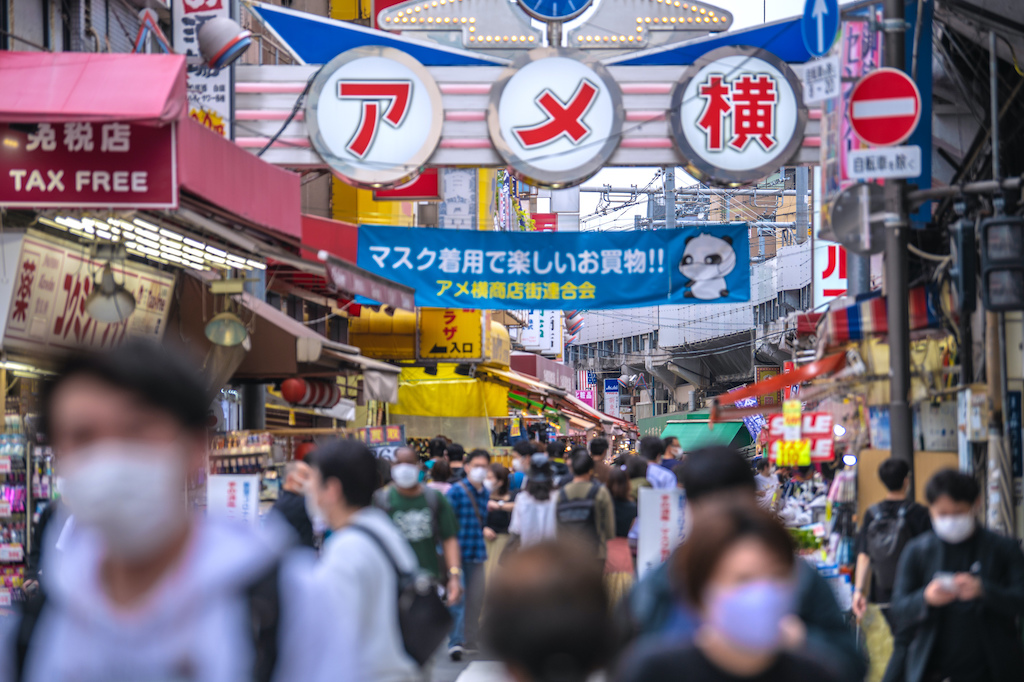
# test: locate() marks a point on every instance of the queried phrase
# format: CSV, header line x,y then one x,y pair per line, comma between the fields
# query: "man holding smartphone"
x,y
958,595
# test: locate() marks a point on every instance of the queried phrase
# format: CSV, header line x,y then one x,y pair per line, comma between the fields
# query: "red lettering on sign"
x,y
563,119
396,93
712,121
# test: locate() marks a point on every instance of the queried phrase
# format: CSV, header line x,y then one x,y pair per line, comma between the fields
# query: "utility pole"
x,y
897,224
802,221
668,182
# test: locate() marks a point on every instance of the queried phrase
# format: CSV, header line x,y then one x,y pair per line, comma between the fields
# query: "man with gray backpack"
x,y
887,528
585,508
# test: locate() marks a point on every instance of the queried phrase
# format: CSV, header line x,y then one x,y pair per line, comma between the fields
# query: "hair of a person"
x,y
762,464
441,472
955,485
556,448
715,469
159,377
581,462
524,448
540,481
636,467
893,473
476,454
353,465
669,442
437,447
618,484
599,446
540,447
456,453
716,529
501,474
651,448
548,614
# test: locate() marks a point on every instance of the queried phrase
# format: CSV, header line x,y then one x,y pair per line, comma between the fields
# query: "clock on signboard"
x,y
554,10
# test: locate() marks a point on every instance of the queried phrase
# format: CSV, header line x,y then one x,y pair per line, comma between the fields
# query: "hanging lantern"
x,y
310,392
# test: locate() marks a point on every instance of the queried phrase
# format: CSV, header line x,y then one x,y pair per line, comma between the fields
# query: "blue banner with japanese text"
x,y
562,270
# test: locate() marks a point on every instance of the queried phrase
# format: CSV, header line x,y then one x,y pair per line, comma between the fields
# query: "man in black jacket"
x,y
959,592
291,502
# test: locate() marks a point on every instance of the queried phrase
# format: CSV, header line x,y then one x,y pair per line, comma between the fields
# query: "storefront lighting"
x,y
170,244
171,235
256,264
225,329
109,302
142,223
850,459
11,142
839,430
216,252
193,243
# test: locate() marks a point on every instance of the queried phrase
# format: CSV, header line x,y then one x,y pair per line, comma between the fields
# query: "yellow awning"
x,y
448,394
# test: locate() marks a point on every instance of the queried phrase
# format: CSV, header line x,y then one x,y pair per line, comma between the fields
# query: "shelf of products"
x,y
15,502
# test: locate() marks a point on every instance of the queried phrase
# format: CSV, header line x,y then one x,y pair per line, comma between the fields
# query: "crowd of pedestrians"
x,y
367,566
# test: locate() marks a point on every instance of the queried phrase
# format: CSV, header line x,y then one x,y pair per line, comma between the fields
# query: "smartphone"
x,y
945,579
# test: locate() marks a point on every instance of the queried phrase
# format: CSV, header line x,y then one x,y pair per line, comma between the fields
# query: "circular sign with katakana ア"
x,y
374,116
737,115
555,117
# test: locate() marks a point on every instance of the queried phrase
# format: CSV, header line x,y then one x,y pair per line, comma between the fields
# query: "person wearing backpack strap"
x,y
585,507
887,528
364,563
143,589
425,518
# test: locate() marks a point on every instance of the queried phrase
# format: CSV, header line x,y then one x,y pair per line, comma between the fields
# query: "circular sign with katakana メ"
x,y
555,117
738,115
374,116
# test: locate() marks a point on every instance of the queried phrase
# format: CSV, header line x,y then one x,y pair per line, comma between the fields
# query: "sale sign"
x,y
82,164
814,444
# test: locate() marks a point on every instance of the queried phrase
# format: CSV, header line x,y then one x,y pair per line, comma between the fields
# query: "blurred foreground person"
x,y
291,502
738,566
547,615
142,590
360,563
959,595
659,605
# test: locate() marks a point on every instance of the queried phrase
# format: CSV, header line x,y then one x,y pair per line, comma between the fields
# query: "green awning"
x,y
694,435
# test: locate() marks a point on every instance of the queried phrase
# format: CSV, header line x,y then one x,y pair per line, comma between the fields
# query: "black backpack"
x,y
579,517
423,618
887,534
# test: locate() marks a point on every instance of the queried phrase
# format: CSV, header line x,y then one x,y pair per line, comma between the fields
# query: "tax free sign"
x,y
561,270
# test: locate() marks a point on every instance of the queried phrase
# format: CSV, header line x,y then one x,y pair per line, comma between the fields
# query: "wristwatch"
x,y
454,571
501,503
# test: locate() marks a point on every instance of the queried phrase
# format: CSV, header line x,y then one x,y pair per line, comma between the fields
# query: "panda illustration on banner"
x,y
707,260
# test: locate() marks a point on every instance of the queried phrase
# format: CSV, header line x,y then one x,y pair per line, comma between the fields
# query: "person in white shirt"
x,y
353,568
142,589
652,449
767,485
534,518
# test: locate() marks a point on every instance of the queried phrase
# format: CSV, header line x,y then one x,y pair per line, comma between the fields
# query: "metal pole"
x,y
669,185
993,86
801,204
896,285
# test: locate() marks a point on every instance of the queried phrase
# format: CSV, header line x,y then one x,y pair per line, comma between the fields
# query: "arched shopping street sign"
x,y
555,117
737,115
374,116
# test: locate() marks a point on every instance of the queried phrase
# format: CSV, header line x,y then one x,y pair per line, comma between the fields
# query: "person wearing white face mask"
x,y
959,595
142,589
738,567
425,517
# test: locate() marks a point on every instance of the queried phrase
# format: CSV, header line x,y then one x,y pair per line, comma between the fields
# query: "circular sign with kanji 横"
x,y
885,107
374,116
737,115
555,117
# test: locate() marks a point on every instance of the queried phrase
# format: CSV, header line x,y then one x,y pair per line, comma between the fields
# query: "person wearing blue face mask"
x,y
738,566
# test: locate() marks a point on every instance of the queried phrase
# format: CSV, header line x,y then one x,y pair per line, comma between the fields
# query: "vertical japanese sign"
x,y
50,286
210,93
611,397
661,516
828,258
234,497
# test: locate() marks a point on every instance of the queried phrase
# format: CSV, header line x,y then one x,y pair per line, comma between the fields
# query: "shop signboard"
x,y
548,371
529,335
585,396
661,527
738,115
763,373
814,444
88,165
210,92
611,397
383,440
46,308
235,497
374,116
450,334
561,270
555,117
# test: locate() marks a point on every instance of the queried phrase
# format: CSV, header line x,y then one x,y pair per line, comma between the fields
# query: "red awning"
x,y
225,175
332,236
39,87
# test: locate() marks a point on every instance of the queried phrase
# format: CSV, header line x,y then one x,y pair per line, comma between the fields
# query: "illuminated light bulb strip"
x,y
163,245
459,15
675,15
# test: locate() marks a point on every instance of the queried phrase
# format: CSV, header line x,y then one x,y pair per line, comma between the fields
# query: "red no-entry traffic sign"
x,y
885,107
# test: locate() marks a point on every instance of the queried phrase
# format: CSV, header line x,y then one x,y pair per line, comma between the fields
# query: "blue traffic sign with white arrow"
x,y
820,25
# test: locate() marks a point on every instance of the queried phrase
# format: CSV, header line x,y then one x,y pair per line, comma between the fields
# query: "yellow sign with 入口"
x,y
450,334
